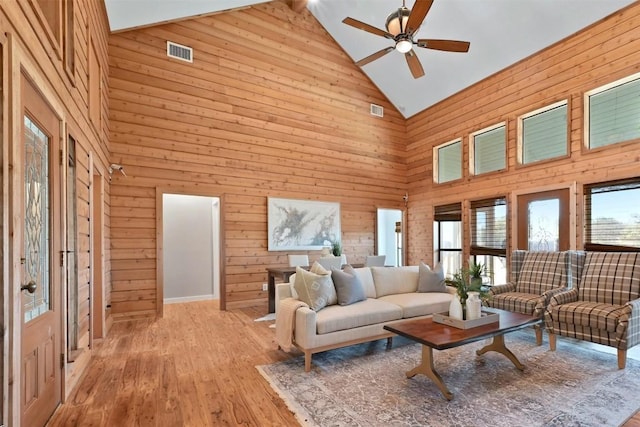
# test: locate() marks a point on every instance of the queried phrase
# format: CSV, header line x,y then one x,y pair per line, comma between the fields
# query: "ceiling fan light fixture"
x,y
397,21
404,45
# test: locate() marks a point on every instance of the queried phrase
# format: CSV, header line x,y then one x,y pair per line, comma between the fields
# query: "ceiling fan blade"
x,y
374,56
447,45
414,64
366,27
298,5
418,12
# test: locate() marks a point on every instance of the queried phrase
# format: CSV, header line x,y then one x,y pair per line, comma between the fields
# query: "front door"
x,y
40,280
543,221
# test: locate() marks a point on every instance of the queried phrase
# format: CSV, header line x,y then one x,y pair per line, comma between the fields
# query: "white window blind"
x,y
489,151
612,216
544,135
614,115
450,162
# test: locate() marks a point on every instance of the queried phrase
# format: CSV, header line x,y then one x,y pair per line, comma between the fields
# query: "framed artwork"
x,y
295,225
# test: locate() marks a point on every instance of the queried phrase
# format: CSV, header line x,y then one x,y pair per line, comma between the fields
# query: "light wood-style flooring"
x,y
193,367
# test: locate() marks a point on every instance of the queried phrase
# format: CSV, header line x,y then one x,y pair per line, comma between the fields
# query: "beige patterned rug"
x,y
365,385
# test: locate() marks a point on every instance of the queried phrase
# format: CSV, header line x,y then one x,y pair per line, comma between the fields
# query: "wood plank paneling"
x,y
602,53
256,115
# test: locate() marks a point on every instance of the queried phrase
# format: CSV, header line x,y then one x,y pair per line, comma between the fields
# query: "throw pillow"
x,y
319,269
314,289
431,280
348,285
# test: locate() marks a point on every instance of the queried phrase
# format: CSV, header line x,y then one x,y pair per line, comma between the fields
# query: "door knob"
x,y
29,287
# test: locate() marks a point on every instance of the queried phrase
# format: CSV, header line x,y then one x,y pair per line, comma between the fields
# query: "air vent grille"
x,y
178,51
377,110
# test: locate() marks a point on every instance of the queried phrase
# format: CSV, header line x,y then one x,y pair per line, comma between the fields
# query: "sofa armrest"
x,y
569,295
305,329
500,289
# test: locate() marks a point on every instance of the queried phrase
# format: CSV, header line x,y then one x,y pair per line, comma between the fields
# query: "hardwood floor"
x,y
194,367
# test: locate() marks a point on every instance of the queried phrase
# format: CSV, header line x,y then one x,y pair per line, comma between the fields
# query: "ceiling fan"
x,y
401,26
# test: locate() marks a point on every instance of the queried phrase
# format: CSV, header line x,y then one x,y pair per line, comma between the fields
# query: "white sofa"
x,y
391,297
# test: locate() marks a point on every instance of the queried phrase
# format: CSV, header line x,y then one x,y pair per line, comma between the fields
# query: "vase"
x,y
455,308
474,306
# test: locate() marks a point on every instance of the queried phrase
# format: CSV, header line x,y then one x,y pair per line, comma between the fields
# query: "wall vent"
x,y
178,51
377,110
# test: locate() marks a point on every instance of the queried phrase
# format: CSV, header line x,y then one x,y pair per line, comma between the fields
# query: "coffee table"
x,y
439,336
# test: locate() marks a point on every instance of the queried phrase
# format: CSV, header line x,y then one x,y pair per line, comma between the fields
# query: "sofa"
x,y
391,294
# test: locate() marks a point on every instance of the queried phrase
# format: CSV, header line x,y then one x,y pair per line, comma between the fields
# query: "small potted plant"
x,y
476,270
464,283
336,248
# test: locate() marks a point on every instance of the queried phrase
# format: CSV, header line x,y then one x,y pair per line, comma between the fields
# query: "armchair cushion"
x,y
610,277
542,271
519,302
603,317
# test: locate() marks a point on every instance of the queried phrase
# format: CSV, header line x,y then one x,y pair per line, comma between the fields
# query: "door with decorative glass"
x,y
40,262
543,221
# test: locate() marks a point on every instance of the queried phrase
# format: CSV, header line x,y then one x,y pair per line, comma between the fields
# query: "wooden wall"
x,y
603,53
29,46
259,113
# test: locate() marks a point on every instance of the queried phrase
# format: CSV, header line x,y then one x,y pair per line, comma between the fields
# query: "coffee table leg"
x,y
498,345
426,368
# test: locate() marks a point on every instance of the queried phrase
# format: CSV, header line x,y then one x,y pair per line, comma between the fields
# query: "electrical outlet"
x,y
265,287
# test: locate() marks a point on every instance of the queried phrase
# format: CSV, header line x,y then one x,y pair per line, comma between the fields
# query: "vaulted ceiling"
x,y
501,33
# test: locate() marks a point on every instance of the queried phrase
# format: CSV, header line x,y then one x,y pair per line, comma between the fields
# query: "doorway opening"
x,y
190,254
390,236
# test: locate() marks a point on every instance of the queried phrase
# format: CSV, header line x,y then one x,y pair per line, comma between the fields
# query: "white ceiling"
x,y
501,33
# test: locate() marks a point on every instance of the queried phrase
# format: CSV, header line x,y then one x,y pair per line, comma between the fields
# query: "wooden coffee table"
x,y
439,336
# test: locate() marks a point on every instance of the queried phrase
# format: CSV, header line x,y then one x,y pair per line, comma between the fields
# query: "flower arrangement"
x,y
336,248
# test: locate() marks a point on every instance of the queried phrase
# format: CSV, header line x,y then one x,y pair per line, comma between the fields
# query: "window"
x,y
543,134
447,161
489,237
488,148
612,216
613,113
447,237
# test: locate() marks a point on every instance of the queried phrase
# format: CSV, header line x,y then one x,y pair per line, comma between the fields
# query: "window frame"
x,y
586,126
436,161
472,148
451,212
520,132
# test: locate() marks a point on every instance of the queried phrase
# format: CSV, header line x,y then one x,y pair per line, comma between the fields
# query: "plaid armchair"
x,y
535,278
604,306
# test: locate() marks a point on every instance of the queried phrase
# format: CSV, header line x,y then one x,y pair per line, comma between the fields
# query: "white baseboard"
x,y
189,299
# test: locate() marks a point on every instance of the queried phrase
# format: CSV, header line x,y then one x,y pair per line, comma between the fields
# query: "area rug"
x,y
365,385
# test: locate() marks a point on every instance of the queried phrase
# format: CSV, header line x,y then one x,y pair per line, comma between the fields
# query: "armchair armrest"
x,y
552,292
630,321
563,297
500,289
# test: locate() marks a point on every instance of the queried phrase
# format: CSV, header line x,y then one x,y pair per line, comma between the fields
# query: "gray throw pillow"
x,y
431,280
314,289
348,285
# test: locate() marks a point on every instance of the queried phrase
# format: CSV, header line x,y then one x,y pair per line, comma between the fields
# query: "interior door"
x,y
41,368
543,221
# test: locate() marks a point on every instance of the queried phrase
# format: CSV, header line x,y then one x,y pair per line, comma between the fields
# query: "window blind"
x,y
450,162
489,227
612,216
614,115
450,212
489,151
544,135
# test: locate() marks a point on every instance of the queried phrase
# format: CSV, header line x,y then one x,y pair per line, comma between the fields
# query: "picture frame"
x,y
297,225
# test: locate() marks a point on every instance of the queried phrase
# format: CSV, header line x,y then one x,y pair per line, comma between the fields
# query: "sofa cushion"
x,y
314,289
420,304
395,280
610,277
431,280
364,273
348,285
542,271
368,312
